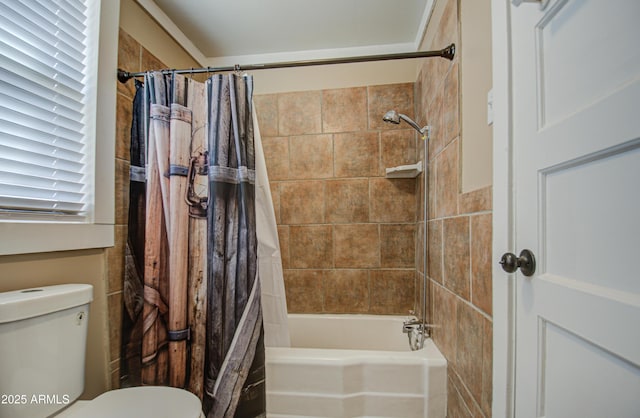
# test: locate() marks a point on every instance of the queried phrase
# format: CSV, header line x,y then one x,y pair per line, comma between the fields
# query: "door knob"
x,y
526,262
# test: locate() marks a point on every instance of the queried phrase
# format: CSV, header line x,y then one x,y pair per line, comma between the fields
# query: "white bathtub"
x,y
354,366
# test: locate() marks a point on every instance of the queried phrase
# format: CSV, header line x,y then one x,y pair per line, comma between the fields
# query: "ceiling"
x,y
226,32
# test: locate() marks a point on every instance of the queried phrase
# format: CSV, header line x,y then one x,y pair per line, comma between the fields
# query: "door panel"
x,y
578,61
587,234
569,394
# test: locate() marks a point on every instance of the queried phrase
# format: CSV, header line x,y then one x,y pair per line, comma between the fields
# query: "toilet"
x,y
43,335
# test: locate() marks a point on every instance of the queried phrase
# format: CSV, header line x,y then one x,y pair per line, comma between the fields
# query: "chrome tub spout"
x,y
416,331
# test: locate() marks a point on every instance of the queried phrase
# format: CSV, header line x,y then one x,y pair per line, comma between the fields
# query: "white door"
x,y
576,166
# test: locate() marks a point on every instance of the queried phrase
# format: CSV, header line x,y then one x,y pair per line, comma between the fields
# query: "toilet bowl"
x,y
137,402
43,336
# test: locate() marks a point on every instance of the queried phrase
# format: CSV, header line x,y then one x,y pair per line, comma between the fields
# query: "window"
x,y
50,138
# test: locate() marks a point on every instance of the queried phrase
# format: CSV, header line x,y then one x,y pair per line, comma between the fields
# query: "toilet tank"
x,y
43,335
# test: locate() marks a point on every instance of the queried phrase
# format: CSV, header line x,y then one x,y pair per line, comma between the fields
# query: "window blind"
x,y
45,149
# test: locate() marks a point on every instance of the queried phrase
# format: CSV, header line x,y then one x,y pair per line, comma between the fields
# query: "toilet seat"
x,y
140,402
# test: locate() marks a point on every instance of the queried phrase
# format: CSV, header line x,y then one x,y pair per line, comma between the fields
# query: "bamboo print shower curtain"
x,y
193,314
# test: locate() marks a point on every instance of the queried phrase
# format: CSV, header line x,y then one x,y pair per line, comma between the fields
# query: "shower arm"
x,y
423,131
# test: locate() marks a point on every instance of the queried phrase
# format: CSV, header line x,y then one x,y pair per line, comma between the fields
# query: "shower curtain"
x,y
200,272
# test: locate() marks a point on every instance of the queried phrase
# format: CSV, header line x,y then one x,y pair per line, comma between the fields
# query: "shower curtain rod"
x,y
448,53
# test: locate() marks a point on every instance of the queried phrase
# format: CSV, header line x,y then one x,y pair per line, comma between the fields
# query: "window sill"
x,y
24,238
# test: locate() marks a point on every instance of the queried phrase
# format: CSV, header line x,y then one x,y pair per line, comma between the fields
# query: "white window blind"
x,y
47,71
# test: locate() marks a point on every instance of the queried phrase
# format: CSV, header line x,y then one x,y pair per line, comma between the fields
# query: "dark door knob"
x,y
526,262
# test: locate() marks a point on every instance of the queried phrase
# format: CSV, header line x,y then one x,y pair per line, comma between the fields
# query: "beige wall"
x,y
334,76
139,25
475,83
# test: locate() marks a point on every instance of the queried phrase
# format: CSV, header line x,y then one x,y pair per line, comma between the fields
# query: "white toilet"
x,y
43,335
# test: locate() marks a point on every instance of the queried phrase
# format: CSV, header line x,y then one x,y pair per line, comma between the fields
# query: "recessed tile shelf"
x,y
404,171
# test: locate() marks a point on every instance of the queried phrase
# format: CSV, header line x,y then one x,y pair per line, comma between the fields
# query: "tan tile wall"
x,y
459,232
347,233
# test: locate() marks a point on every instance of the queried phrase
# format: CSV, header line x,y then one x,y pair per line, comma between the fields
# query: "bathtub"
x,y
354,366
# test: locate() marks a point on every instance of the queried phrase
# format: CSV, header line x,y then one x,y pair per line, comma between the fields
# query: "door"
x,y
576,167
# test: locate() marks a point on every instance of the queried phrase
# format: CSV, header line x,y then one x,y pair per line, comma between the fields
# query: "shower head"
x,y
391,117
394,117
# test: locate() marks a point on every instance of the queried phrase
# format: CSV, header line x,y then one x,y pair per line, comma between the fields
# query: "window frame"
x,y
23,237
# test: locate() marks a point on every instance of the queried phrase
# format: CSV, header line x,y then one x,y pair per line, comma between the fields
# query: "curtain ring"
x,y
172,91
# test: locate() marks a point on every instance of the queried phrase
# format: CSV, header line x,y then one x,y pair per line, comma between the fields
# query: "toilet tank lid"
x,y
29,303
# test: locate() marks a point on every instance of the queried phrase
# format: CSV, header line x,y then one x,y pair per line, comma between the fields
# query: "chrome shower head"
x,y
391,117
394,117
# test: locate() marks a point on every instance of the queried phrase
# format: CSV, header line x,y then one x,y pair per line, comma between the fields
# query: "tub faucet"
x,y
410,324
417,332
